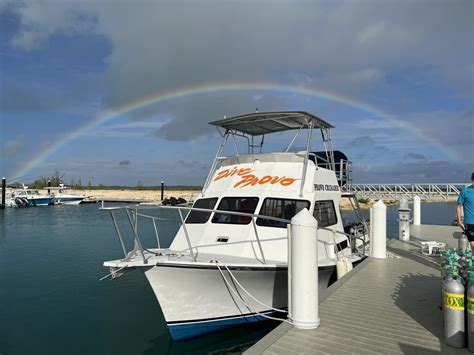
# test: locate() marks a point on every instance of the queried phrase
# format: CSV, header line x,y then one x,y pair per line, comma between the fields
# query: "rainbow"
x,y
215,88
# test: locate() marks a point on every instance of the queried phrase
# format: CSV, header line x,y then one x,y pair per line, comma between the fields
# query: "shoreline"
x,y
154,195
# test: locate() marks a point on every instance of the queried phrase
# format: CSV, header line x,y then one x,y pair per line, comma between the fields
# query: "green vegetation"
x,y
42,181
364,201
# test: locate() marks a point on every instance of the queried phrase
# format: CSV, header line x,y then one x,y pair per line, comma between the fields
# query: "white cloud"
x,y
347,46
41,19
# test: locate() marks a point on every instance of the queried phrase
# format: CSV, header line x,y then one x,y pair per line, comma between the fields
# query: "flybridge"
x,y
259,124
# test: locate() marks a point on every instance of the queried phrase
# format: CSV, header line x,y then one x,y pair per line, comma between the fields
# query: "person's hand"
x,y
463,227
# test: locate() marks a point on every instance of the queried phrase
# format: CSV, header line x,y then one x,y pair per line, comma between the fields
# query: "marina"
x,y
235,177
235,257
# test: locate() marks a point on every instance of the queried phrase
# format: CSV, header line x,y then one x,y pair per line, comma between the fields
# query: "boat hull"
x,y
40,201
74,201
198,300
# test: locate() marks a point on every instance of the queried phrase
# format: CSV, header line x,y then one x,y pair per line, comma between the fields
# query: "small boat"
x,y
228,262
30,196
61,197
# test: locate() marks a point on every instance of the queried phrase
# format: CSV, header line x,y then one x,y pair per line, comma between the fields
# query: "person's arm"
x,y
459,213
459,208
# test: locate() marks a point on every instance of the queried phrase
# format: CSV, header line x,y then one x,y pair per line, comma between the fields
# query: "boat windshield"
x,y
235,204
325,213
196,217
280,208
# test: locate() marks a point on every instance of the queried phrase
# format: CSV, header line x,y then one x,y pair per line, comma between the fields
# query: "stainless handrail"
x,y
134,224
119,235
186,235
191,248
136,238
258,240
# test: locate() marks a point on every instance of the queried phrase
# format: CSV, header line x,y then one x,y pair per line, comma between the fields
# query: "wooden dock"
x,y
389,306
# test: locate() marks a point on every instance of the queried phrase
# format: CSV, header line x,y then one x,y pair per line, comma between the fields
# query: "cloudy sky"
x,y
396,78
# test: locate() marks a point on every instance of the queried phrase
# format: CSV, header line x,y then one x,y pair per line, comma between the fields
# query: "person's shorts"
x,y
469,231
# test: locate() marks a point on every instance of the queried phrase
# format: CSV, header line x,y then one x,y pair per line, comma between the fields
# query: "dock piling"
x,y
303,271
162,190
416,210
380,230
371,231
49,185
4,191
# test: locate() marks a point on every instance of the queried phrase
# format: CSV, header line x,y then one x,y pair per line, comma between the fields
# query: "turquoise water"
x,y
52,302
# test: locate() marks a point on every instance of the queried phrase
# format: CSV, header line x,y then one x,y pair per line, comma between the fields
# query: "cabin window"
x,y
235,204
195,217
280,208
325,213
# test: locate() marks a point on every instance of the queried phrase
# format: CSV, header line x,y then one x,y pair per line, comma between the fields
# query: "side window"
x,y
235,204
325,213
280,208
195,217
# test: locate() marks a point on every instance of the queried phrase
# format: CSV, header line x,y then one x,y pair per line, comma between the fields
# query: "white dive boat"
x,y
26,196
233,242
61,197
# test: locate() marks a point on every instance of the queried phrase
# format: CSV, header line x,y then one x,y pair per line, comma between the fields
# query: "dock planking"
x,y
384,306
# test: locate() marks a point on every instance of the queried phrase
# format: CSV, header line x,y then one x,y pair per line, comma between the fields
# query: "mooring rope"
x,y
245,303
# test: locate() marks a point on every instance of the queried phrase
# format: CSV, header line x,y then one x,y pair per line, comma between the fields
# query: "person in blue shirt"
x,y
466,205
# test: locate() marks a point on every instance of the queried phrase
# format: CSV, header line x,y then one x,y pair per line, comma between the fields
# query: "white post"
x,y
371,231
380,230
404,220
303,271
416,211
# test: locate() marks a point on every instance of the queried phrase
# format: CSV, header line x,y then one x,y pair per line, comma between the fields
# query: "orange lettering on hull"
x,y
231,172
248,179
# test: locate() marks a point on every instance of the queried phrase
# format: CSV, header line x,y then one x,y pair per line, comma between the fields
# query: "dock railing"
x,y
426,191
134,212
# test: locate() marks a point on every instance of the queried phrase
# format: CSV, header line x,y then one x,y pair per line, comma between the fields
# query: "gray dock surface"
x,y
389,306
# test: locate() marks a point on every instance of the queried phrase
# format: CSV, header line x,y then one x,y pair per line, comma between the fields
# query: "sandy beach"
x,y
154,195
147,195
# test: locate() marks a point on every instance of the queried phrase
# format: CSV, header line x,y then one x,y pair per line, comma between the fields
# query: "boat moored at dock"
x,y
61,197
26,196
228,262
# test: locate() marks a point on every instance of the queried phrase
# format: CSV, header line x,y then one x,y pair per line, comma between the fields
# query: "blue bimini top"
x,y
466,198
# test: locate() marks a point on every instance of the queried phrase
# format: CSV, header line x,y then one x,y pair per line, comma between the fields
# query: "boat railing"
x,y
342,169
132,213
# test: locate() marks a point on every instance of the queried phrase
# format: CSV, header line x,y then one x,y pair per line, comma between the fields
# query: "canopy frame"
x,y
257,124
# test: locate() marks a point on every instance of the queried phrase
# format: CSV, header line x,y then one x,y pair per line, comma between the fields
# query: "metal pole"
x,y
4,191
162,190
214,164
258,240
119,235
186,235
156,233
305,166
137,243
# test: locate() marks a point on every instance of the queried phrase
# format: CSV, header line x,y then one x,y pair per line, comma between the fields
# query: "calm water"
x,y
52,302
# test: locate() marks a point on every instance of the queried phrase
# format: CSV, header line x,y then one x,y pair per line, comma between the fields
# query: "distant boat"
x,y
32,196
63,198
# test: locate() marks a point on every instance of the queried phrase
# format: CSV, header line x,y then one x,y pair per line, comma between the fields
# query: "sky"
x,y
121,92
